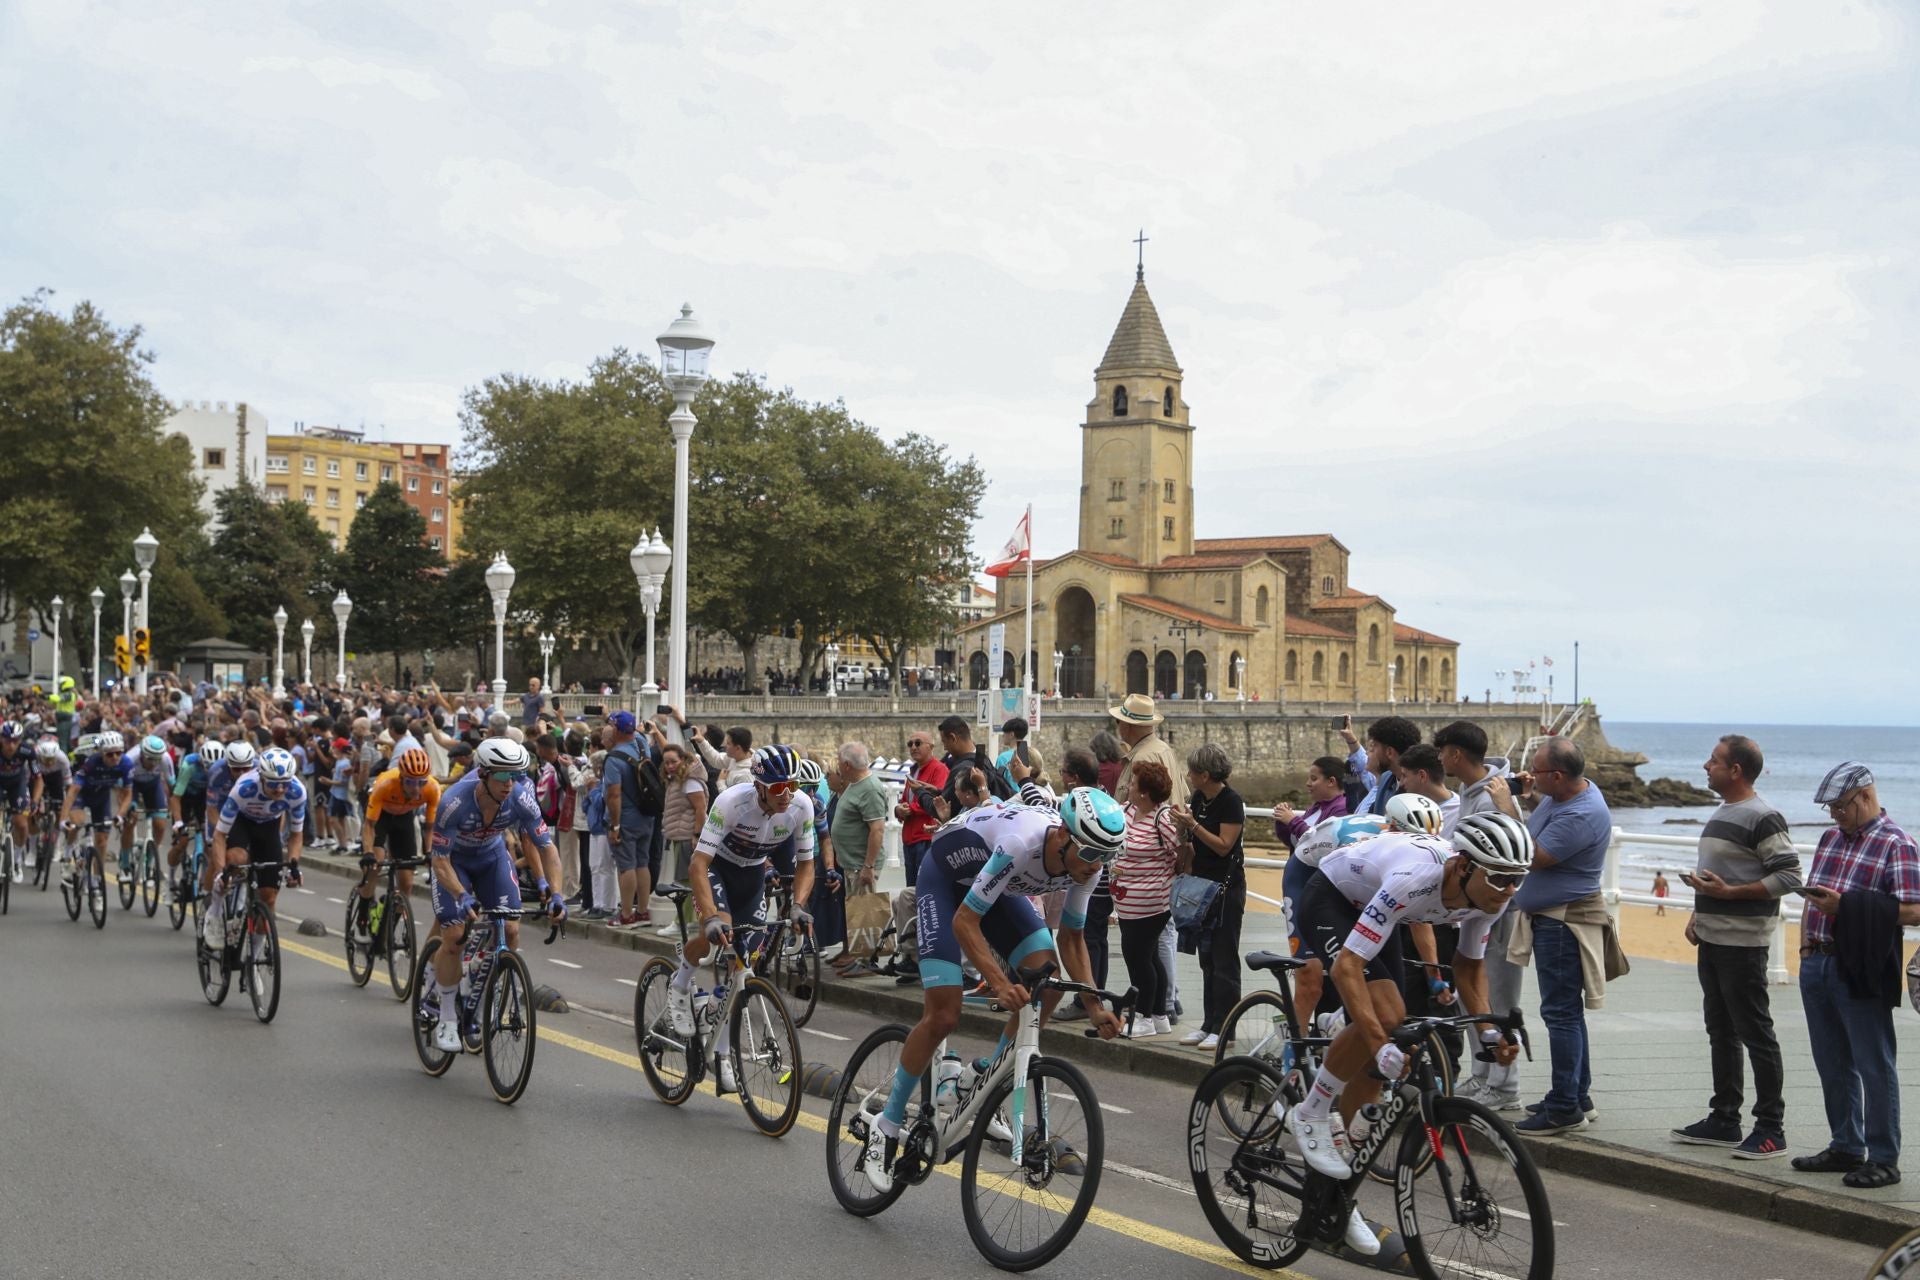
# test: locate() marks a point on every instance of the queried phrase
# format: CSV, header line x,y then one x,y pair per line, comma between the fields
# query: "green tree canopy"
x,y
266,556
390,573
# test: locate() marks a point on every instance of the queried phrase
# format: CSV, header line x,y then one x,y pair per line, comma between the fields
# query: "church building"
x,y
1145,606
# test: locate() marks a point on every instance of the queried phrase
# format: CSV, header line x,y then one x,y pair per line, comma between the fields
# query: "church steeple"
x,y
1139,343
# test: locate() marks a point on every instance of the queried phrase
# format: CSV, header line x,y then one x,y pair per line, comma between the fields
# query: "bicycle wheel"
x,y
399,944
43,857
1478,1208
1249,1189
1385,1165
670,1061
128,878
214,974
1021,1217
425,1011
766,1057
1264,1035
261,954
6,872
799,977
97,891
177,888
857,1102
150,879
356,939
508,1026
74,892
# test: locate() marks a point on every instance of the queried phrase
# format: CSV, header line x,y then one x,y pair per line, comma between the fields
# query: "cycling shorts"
x,y
398,835
149,794
488,876
99,804
739,893
1011,926
16,790
1326,917
193,809
259,840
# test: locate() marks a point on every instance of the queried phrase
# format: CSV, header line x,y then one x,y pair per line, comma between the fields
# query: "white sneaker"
x,y
1162,1025
723,1073
874,1162
1472,1087
1315,1141
213,931
1195,1036
446,1036
1142,1028
1360,1236
680,1010
1211,1043
997,1129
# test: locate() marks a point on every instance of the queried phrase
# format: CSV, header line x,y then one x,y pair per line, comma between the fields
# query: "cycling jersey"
x,y
250,801
143,772
1395,879
94,775
461,833
1337,833
972,862
389,796
19,764
740,832
192,777
220,780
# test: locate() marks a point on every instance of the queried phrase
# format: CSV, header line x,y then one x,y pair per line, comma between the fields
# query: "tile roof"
x,y
1401,631
1167,607
1211,560
1104,557
1348,599
1138,340
1299,626
1272,542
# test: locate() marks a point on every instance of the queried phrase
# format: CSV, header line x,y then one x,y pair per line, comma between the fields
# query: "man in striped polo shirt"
x,y
1746,862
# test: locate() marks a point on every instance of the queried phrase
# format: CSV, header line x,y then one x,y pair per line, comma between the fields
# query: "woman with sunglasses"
x,y
1350,915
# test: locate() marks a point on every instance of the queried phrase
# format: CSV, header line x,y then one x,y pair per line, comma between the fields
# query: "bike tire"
x,y
1050,1135
357,941
797,974
672,1066
509,1027
261,954
150,880
215,977
1256,1041
6,874
97,892
1219,1157
74,895
1486,1169
177,881
432,1057
858,1098
128,881
401,946
765,1050
43,855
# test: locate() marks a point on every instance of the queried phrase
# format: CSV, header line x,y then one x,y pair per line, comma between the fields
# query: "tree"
x,y
463,613
83,462
266,556
388,571
180,611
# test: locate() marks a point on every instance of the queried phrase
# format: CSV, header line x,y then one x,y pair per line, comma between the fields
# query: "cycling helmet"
x,y
1496,842
212,751
49,751
775,764
1408,812
1094,821
413,763
809,773
153,746
32,721
501,755
240,756
276,765
109,741
10,732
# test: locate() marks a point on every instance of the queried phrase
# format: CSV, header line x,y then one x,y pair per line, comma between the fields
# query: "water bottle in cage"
x,y
947,1076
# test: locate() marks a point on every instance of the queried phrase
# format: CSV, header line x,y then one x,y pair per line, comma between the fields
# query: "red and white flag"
x,y
1018,550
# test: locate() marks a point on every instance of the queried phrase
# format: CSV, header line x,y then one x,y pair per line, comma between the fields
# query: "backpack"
x,y
649,788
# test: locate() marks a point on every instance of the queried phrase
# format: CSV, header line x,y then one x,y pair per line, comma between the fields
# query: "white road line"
x,y
1067,1097
1160,1180
565,964
628,982
824,1035
308,892
600,1013
338,902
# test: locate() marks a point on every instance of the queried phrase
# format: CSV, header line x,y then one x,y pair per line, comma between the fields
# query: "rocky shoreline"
x,y
1625,789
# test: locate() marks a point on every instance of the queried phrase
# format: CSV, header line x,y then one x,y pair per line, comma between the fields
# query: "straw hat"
x,y
1137,709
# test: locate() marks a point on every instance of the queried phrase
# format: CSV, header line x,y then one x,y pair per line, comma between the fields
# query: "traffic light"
x,y
122,656
142,644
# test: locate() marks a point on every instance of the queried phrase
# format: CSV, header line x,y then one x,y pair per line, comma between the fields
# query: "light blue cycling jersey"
x,y
461,831
249,800
1014,837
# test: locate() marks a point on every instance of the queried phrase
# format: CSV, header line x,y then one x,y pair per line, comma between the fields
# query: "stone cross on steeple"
x,y
1140,267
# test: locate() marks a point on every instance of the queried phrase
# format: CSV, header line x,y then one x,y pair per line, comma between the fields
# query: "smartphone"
x,y
1801,890
1341,722
1020,749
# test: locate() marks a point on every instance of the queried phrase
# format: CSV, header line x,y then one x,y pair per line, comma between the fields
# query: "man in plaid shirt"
x,y
1853,1043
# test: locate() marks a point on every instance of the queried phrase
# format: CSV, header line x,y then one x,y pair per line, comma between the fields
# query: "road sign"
x,y
33,635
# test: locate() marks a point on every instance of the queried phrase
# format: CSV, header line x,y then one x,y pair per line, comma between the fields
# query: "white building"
x,y
229,442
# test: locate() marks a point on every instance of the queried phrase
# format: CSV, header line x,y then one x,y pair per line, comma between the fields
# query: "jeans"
x,y
913,853
1854,1052
1556,965
1219,956
1169,949
1733,987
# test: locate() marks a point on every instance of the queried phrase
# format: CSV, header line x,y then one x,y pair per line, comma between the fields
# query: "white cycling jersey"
x,y
249,801
1394,879
1336,833
739,831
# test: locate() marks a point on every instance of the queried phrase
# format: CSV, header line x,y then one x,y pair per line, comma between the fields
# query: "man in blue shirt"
x,y
1571,829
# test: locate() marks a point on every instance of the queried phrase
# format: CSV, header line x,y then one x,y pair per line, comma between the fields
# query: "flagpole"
x,y
1026,659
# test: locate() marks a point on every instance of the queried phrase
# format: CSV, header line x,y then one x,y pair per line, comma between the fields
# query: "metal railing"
x,y
962,701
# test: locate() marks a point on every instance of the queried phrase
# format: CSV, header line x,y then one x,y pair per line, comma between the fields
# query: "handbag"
x,y
868,917
1193,898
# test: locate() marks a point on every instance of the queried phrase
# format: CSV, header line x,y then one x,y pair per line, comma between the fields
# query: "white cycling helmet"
x,y
212,751
109,741
49,751
501,755
1408,812
1496,842
240,756
275,765
810,772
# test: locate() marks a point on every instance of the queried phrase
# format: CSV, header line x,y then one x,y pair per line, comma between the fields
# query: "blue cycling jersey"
x,y
19,764
460,830
94,774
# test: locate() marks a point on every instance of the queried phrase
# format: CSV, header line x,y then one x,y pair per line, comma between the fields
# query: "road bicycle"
x,y
786,956
140,865
1468,1199
183,881
8,856
763,1048
85,884
1026,1126
46,841
383,927
251,943
496,1015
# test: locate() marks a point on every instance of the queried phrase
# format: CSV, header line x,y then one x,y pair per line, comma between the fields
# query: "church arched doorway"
x,y
1136,672
977,670
1166,673
1196,685
1073,633
1009,671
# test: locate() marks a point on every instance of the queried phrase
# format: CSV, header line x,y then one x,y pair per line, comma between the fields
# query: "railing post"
x,y
1777,974
891,847
1610,874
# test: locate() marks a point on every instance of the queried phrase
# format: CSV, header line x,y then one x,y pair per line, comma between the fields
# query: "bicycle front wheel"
x,y
1249,1187
261,955
400,943
1022,1215
177,882
507,1027
214,974
858,1100
150,879
797,974
356,939
1478,1208
6,872
1257,1027
97,891
425,1011
668,1059
766,1057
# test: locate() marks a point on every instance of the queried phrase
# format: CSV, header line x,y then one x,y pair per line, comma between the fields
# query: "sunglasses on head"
x,y
780,788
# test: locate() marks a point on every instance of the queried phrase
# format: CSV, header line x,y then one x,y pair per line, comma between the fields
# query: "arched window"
x,y
1319,668
1166,673
1195,687
1260,607
1119,402
1346,670
1446,678
1373,642
1136,672
1166,403
1293,666
1326,585
977,671
1234,675
1422,682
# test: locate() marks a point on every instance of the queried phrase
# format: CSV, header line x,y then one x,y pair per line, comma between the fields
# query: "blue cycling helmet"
x,y
774,764
153,746
1095,821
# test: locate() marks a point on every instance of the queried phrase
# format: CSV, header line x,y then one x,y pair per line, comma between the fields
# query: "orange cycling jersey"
x,y
390,796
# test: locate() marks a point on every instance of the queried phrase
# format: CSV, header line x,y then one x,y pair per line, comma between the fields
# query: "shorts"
x,y
1326,918
398,834
149,794
739,893
99,805
16,790
193,809
1011,926
340,807
486,874
260,841
630,850
782,859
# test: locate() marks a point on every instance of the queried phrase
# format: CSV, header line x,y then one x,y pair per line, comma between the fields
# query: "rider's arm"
x,y
1470,980
430,791
297,822
703,908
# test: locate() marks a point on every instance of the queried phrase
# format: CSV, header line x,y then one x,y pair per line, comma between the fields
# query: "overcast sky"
x,y
1580,321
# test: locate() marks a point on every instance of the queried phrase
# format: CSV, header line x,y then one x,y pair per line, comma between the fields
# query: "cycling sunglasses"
x,y
1503,879
780,788
511,775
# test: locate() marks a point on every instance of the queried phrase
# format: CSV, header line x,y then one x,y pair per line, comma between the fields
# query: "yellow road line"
x,y
1174,1242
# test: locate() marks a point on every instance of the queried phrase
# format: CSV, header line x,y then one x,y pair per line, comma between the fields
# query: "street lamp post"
x,y
650,560
99,598
306,638
546,659
146,548
279,649
833,669
684,351
127,584
1390,681
342,607
1059,659
500,584
1240,675
58,604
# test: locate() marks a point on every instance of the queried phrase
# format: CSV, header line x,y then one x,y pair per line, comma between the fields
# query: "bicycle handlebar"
x,y
1512,1024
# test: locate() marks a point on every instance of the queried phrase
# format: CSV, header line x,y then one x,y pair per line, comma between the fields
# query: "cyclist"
x,y
248,831
472,868
50,779
971,894
1328,836
752,825
190,795
152,782
17,790
95,779
397,795
235,762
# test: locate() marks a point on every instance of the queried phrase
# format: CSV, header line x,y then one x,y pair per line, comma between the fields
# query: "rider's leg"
x,y
1389,1006
942,1016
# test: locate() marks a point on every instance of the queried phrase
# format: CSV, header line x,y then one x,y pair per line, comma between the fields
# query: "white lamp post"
x,y
833,669
279,648
146,548
342,607
1059,659
651,558
306,637
684,351
58,604
500,584
546,659
127,584
99,598
1240,676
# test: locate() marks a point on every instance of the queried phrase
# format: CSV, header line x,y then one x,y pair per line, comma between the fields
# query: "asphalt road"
x,y
145,1131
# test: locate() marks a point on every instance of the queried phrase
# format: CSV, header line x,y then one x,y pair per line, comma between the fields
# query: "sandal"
x,y
1870,1175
